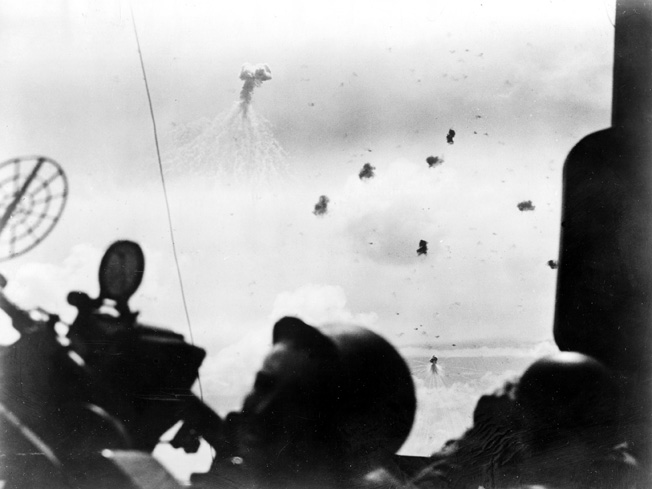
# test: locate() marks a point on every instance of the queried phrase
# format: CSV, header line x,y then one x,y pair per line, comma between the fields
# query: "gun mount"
x,y
108,383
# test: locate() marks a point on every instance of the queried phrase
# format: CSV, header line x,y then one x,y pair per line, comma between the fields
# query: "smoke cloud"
x,y
253,76
367,171
526,205
434,161
321,207
423,248
238,144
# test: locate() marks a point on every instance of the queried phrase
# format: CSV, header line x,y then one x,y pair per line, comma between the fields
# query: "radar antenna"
x,y
33,192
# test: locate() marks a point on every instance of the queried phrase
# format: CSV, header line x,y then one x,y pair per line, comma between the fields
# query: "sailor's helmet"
x,y
569,392
376,400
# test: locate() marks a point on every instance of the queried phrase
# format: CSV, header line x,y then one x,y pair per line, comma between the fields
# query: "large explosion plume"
x,y
253,76
236,145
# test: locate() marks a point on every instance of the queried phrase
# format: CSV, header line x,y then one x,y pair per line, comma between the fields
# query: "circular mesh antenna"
x,y
33,192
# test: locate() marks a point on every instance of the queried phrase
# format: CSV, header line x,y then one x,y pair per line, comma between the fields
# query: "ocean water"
x,y
446,399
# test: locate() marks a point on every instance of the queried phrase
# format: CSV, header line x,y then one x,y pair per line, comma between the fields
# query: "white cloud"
x,y
319,305
46,285
228,374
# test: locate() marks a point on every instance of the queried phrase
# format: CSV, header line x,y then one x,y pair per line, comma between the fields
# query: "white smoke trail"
x,y
237,145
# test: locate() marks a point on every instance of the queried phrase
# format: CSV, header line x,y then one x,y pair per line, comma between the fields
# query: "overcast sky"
x,y
377,82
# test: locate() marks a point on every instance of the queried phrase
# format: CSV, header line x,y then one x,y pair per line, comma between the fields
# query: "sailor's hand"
x,y
187,438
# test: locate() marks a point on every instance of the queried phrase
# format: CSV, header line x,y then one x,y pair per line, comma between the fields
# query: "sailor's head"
x,y
568,394
337,391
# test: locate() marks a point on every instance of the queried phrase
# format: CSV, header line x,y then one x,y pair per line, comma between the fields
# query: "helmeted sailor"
x,y
329,408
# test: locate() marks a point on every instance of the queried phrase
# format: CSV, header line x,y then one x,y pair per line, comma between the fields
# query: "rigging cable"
x,y
165,193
